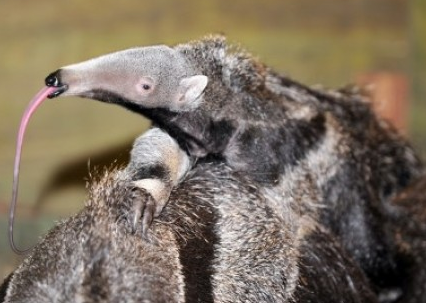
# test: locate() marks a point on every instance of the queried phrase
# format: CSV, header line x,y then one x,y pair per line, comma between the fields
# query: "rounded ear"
x,y
189,92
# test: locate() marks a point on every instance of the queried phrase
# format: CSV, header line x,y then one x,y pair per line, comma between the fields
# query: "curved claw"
x,y
144,207
148,216
137,213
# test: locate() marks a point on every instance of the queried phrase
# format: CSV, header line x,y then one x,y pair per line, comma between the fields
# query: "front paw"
x,y
142,210
150,199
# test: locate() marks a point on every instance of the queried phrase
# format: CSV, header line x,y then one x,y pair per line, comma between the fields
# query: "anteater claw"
x,y
142,209
137,213
148,216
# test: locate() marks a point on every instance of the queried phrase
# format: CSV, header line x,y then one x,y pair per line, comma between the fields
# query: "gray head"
x,y
147,77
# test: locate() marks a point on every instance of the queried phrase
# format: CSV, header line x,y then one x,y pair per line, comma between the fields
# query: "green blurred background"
x,y
329,42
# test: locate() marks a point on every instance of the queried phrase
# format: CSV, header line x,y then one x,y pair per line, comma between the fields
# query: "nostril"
x,y
53,79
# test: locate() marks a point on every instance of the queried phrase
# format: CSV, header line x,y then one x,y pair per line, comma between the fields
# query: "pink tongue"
x,y
34,104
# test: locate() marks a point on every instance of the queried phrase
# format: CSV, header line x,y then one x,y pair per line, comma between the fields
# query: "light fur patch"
x,y
155,187
305,180
157,147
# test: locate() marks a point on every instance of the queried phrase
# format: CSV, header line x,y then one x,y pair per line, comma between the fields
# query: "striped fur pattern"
x,y
219,240
327,168
283,133
277,132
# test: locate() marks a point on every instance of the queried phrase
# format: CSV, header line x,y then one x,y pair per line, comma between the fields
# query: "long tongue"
x,y
34,104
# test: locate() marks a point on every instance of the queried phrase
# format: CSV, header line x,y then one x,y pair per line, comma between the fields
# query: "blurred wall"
x,y
329,42
417,73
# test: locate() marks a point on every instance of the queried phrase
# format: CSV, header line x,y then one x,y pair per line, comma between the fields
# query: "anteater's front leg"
x,y
156,165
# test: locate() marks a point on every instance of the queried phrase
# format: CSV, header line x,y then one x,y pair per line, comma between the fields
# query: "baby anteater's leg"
x,y
156,165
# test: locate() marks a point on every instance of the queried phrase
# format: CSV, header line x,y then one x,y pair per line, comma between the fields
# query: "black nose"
x,y
53,79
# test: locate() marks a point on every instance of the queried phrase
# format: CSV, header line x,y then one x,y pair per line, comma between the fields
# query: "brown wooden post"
x,y
389,93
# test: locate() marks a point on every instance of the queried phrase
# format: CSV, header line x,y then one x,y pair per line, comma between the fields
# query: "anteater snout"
x,y
53,79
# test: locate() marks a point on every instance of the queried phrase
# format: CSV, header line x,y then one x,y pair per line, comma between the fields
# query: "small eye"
x,y
145,86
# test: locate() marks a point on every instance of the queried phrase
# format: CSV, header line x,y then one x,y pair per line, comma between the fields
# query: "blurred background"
x,y
328,42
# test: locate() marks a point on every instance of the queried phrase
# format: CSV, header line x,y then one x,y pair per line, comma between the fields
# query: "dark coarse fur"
x,y
277,132
408,223
269,126
219,240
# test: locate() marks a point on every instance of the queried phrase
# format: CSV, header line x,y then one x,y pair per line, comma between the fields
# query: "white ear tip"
x,y
204,80
195,81
200,81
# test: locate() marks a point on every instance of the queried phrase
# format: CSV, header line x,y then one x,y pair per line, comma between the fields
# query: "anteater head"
x,y
136,78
